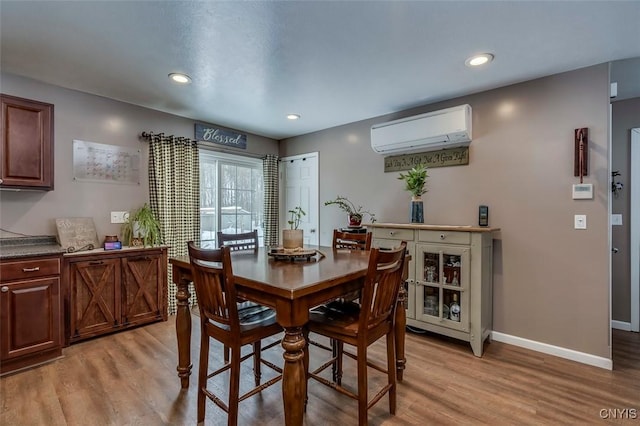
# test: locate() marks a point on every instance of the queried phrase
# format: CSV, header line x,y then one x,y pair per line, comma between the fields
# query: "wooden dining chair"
x,y
222,319
237,242
351,241
362,325
346,241
245,241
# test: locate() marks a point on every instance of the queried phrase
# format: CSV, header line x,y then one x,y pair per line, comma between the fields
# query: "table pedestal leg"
x,y
183,331
401,322
294,382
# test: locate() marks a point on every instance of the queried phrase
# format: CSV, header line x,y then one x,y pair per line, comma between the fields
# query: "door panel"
x,y
299,187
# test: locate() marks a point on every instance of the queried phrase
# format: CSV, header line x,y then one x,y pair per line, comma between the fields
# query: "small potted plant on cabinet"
x,y
293,238
415,180
142,228
355,214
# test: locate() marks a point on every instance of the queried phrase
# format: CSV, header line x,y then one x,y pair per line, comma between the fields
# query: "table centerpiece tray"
x,y
280,253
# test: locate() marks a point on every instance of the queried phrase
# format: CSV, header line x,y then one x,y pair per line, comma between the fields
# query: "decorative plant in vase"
x,y
355,213
142,228
415,180
293,238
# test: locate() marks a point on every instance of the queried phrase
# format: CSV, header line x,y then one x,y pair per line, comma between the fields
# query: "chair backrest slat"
x,y
214,285
239,242
381,286
352,241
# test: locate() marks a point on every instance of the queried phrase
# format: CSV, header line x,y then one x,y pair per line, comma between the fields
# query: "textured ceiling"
x,y
332,62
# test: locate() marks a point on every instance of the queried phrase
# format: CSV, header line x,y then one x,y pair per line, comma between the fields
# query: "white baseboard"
x,y
558,351
621,325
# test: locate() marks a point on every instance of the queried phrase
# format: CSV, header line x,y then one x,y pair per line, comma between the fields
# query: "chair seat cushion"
x,y
252,314
340,318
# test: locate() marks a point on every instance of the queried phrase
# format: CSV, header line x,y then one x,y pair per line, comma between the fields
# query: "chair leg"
x,y
203,371
363,397
257,347
334,366
391,370
338,364
234,386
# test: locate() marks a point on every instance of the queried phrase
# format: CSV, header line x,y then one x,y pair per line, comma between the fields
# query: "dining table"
x,y
291,287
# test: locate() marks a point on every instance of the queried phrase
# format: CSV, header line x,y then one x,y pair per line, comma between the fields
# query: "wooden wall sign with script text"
x,y
442,158
221,137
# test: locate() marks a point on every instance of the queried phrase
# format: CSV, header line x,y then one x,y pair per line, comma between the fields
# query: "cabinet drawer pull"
x,y
37,268
97,262
442,237
4,289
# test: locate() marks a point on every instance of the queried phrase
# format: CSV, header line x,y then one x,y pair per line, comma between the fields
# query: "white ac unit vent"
x,y
447,128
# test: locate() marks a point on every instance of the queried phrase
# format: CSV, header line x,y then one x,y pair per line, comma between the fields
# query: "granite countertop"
x,y
17,247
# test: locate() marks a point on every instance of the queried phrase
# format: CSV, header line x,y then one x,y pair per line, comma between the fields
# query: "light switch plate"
x,y
616,219
580,221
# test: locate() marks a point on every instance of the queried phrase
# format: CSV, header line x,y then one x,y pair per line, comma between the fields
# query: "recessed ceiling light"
x,y
477,60
180,78
293,116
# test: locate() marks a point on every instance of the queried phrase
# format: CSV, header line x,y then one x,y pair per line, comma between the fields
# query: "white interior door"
x,y
299,187
634,251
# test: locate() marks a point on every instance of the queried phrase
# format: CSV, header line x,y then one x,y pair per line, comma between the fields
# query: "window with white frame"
x,y
231,196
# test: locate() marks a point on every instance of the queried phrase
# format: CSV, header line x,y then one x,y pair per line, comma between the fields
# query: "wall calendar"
x,y
97,162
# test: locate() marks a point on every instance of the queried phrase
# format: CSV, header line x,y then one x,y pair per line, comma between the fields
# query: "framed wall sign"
x,y
440,158
218,136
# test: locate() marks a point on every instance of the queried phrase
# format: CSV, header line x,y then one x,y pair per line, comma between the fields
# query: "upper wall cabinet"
x,y
26,151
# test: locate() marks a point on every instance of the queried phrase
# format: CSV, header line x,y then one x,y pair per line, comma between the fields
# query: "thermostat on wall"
x,y
583,191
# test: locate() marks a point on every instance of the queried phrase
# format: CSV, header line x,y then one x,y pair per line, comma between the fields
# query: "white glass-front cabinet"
x,y
449,287
442,283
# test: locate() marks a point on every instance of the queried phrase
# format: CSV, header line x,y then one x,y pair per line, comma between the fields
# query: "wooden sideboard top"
x,y
467,228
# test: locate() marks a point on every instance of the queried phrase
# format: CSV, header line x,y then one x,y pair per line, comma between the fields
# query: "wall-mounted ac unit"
x,y
447,128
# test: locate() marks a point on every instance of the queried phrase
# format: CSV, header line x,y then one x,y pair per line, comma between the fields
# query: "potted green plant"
x,y
355,214
142,228
415,180
293,238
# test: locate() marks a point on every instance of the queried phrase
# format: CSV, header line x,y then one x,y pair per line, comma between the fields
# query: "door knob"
x,y
312,231
615,249
4,289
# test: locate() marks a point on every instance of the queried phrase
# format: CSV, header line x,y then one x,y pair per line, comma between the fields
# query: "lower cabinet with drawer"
x,y
30,312
449,287
114,290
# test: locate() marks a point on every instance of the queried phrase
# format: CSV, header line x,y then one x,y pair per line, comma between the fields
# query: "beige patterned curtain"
x,y
270,170
174,186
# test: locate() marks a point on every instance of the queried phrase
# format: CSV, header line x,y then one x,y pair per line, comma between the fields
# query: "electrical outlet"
x,y
119,217
580,221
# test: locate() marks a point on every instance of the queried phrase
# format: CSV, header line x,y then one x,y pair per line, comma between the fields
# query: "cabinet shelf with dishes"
x,y
449,287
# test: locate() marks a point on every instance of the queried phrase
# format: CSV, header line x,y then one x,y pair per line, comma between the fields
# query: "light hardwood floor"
x,y
130,378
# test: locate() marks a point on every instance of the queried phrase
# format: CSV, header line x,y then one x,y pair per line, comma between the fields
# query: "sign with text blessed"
x,y
221,137
442,158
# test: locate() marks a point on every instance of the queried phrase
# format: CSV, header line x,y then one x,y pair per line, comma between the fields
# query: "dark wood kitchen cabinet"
x,y
30,312
114,290
26,146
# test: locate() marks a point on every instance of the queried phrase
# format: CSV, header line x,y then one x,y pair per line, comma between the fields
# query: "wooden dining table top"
x,y
293,279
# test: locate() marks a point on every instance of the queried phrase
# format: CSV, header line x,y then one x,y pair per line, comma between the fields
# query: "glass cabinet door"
x,y
442,285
